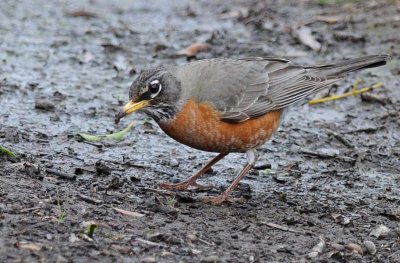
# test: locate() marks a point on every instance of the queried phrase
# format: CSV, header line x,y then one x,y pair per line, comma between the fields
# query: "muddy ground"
x,y
66,67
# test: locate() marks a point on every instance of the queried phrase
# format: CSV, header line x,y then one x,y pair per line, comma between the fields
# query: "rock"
x,y
370,246
149,260
173,162
211,259
44,105
380,232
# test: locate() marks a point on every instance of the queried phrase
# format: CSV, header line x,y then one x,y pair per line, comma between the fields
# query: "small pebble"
x,y
44,105
211,259
73,238
370,246
192,237
173,162
313,254
149,260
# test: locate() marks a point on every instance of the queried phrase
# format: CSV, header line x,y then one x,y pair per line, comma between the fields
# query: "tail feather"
x,y
338,69
291,84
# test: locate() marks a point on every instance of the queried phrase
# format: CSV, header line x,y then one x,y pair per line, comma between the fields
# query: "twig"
x,y
90,199
24,210
128,213
353,92
148,242
262,166
365,129
339,137
318,154
128,163
206,242
328,155
73,157
61,174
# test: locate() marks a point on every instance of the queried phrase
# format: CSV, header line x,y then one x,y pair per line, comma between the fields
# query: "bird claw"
x,y
184,186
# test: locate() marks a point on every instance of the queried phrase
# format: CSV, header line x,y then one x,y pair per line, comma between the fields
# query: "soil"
x,y
326,187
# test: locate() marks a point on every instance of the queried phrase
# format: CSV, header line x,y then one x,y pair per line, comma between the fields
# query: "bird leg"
x,y
192,181
251,160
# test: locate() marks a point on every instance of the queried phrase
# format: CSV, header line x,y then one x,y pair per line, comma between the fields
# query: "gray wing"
x,y
233,87
248,88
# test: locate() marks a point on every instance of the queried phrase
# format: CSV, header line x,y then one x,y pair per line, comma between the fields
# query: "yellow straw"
x,y
354,91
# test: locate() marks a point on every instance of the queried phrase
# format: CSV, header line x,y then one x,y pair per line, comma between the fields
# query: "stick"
x,y
61,174
339,137
347,94
90,199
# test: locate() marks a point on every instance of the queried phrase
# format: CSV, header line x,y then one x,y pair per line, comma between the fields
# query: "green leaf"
x,y
90,230
6,151
118,136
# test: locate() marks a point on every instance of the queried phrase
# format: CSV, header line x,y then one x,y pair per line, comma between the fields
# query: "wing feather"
x,y
241,89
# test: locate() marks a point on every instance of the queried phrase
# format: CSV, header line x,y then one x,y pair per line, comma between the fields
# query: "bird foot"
x,y
184,186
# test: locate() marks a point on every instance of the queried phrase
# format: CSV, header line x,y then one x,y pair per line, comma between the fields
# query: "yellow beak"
x,y
131,107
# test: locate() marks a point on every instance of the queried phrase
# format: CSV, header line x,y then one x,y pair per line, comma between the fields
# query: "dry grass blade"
x,y
330,19
128,213
29,246
81,13
193,49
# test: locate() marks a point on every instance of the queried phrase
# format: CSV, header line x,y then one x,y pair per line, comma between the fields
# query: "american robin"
x,y
230,105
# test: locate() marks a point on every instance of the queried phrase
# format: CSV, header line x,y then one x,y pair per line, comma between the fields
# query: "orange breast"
x,y
200,127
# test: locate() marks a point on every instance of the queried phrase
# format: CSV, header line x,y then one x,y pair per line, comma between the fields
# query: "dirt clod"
x,y
45,105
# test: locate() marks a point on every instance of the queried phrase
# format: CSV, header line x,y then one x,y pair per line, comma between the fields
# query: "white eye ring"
x,y
154,88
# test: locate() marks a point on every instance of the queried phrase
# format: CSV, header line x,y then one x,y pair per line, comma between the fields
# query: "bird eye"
x,y
155,87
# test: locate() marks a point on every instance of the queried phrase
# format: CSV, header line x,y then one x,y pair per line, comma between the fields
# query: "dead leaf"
x,y
128,213
193,49
29,246
81,13
380,232
355,248
305,36
330,19
318,248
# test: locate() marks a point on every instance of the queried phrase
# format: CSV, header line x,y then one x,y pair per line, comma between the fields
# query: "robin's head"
x,y
154,92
